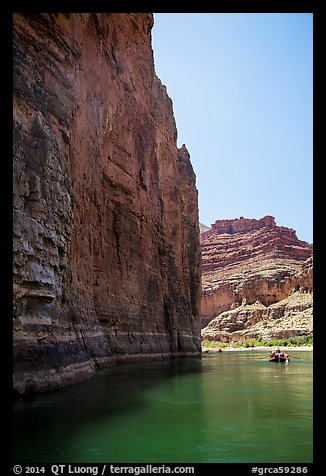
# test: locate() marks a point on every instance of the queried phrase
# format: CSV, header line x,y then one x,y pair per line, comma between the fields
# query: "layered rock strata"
x,y
106,235
292,316
249,266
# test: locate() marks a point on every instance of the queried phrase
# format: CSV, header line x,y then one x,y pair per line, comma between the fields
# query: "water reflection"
x,y
107,412
263,403
227,407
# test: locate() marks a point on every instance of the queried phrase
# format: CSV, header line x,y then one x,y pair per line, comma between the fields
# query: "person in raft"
x,y
278,353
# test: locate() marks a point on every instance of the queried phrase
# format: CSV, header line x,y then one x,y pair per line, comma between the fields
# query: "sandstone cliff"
x,y
254,270
106,235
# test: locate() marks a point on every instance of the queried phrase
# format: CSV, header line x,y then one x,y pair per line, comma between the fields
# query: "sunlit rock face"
x,y
107,259
249,266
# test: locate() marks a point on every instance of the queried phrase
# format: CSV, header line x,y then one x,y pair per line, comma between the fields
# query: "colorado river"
x,y
226,407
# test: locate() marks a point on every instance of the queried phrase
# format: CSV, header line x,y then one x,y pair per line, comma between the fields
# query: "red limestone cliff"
x,y
106,234
251,268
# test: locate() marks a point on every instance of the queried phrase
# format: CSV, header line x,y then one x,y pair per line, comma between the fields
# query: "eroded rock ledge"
x,y
257,280
106,235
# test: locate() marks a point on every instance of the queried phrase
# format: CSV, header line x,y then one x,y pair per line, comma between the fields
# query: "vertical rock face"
x,y
106,235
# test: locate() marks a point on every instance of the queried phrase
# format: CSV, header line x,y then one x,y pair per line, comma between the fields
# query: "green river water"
x,y
229,407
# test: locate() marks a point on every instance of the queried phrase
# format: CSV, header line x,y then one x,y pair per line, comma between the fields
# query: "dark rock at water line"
x,y
107,261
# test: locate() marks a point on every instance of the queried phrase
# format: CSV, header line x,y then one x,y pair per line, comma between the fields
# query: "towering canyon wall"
x,y
250,269
107,259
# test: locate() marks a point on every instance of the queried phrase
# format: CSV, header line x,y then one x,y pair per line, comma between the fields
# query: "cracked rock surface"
x,y
106,237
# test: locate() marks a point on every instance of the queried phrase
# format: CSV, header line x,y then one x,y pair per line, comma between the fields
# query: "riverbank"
x,y
213,350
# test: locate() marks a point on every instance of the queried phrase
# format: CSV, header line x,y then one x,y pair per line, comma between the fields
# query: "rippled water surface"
x,y
226,407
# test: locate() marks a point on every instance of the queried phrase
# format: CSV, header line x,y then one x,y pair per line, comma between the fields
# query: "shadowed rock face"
x,y
106,235
248,266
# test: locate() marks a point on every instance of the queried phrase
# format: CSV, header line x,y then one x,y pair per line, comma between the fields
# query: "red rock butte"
x,y
249,260
243,225
236,240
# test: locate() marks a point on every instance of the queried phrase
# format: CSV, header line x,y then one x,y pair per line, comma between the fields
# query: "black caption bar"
x,y
138,469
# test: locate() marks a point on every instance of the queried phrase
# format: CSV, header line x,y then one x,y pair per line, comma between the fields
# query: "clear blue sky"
x,y
241,86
